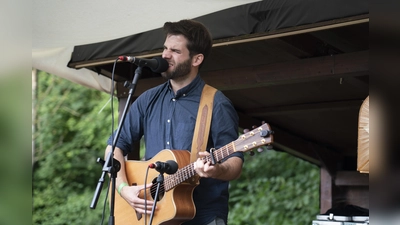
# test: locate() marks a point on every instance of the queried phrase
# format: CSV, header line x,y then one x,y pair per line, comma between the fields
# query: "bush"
x,y
274,188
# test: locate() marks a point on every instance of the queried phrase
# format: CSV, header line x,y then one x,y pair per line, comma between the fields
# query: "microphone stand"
x,y
112,165
159,181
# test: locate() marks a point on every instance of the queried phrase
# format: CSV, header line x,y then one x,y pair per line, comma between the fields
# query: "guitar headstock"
x,y
262,135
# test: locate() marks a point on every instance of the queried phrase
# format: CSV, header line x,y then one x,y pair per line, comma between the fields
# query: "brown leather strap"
x,y
203,122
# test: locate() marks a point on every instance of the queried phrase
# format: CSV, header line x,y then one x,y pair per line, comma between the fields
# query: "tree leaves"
x,y
274,188
71,134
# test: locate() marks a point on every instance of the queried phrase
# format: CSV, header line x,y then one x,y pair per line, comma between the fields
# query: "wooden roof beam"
x,y
295,71
301,70
304,149
315,107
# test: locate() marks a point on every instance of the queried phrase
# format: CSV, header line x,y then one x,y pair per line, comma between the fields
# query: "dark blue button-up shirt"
x,y
167,121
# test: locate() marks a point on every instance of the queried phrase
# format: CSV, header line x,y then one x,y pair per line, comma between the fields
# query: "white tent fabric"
x,y
60,25
54,61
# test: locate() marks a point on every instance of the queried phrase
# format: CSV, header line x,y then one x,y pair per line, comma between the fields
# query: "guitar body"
x,y
174,207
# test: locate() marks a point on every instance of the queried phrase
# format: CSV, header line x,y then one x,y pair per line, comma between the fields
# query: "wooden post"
x,y
326,190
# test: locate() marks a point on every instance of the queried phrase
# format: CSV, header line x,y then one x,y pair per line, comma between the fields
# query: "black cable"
x,y
145,199
112,136
105,203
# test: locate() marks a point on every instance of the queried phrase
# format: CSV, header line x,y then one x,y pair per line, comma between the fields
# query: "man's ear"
x,y
197,59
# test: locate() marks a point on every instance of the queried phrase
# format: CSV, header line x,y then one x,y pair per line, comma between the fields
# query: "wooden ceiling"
x,y
307,82
309,87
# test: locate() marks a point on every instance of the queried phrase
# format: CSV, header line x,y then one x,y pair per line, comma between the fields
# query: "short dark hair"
x,y
198,36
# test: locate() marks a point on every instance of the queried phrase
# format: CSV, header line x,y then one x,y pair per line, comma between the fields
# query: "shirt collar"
x,y
196,83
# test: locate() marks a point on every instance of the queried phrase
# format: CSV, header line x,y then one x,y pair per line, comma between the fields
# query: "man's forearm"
x,y
121,177
230,169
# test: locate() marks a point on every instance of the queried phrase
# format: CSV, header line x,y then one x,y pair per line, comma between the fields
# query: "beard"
x,y
181,70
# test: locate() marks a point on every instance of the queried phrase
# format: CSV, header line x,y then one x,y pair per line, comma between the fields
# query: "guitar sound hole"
x,y
153,190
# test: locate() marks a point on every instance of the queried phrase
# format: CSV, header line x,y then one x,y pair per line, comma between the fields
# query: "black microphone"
x,y
169,167
157,64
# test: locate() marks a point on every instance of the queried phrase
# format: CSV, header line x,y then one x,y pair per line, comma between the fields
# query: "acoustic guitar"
x,y
174,203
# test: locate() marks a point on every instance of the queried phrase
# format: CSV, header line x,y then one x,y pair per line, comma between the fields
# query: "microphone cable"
x,y
145,198
112,138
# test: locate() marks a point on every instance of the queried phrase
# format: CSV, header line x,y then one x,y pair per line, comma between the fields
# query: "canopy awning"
x,y
239,22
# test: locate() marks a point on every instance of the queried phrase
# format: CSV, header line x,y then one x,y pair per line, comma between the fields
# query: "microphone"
x,y
157,64
169,167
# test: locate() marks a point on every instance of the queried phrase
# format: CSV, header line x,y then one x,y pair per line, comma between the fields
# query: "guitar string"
x,y
188,171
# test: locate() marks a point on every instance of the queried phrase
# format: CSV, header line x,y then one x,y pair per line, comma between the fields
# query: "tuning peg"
x,y
269,147
251,153
264,133
260,149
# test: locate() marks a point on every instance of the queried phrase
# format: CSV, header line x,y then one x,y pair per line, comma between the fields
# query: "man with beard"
x,y
166,117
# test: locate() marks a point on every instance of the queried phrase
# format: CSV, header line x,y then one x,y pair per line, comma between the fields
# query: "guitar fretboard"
x,y
188,171
257,137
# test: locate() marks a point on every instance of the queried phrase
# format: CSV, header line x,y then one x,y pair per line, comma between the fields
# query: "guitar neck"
x,y
188,171
255,138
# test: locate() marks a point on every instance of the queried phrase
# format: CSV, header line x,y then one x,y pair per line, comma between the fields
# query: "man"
x,y
166,117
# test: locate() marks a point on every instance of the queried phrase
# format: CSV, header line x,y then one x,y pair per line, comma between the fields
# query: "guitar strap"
x,y
203,122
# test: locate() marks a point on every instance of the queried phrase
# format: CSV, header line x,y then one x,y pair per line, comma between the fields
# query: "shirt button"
x,y
168,121
173,99
184,94
167,142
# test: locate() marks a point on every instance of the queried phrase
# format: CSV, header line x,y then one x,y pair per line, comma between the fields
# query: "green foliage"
x,y
71,133
56,207
274,188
